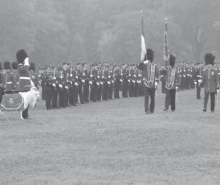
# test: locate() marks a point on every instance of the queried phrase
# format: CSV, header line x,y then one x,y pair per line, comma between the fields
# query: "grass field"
x,y
113,142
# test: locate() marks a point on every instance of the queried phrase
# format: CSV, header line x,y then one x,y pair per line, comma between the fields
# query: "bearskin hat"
x,y
209,58
14,65
172,60
32,66
21,55
7,65
150,54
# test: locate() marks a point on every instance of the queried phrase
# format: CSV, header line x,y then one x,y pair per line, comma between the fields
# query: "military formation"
x,y
69,85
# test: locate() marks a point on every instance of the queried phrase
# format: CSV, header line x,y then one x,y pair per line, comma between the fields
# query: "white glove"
x,y
195,83
200,81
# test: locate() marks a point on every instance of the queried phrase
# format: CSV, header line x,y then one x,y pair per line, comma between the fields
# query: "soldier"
x,y
55,89
85,83
16,75
117,78
48,87
110,83
210,79
9,79
151,78
162,79
172,84
125,81
66,84
1,82
34,75
61,82
197,76
80,84
92,82
24,75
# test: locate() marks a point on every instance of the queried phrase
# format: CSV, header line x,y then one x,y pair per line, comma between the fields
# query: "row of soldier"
x,y
68,86
65,86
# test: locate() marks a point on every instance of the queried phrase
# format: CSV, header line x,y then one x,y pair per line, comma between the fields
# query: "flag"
x,y
166,44
143,42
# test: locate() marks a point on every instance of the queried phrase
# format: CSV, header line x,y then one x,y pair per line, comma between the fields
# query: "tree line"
x,y
95,31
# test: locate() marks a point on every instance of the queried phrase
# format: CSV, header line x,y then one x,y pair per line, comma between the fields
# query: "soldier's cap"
x,y
14,65
68,63
7,65
64,63
209,58
78,64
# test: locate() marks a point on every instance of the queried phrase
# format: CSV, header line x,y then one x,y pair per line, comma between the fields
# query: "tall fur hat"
x,y
150,54
209,59
32,66
21,55
172,60
7,65
14,65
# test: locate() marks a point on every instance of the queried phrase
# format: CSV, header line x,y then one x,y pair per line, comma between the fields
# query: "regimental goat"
x,y
20,101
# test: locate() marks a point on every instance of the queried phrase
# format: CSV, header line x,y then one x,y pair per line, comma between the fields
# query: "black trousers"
x,y
93,92
149,92
80,91
206,98
54,97
86,92
48,95
125,88
61,97
117,88
198,91
173,99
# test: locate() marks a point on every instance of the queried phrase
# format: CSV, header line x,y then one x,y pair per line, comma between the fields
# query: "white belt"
x,y
24,78
8,82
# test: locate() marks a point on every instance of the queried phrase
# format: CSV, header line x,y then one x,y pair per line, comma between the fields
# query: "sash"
x,y
151,75
171,78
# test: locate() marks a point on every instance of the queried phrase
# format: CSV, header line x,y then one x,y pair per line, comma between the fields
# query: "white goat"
x,y
30,99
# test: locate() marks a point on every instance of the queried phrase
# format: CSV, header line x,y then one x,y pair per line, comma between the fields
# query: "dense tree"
x,y
54,31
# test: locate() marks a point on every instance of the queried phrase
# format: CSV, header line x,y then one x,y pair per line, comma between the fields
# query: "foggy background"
x,y
56,31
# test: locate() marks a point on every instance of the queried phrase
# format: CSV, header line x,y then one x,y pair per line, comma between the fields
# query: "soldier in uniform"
x,y
24,75
34,75
61,82
16,75
172,84
125,81
162,79
117,79
1,82
48,87
151,78
197,79
80,84
9,79
92,82
55,89
85,83
210,79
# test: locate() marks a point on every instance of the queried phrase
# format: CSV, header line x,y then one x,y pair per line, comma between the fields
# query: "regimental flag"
x,y
166,45
143,42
